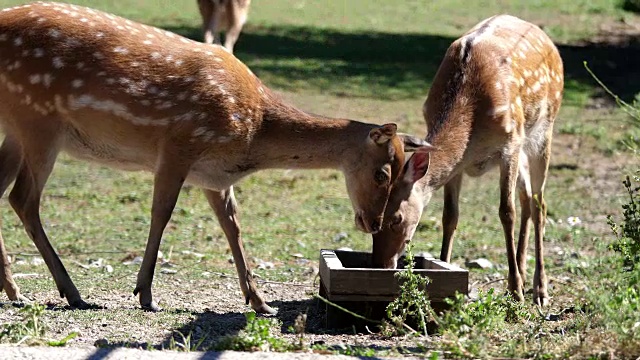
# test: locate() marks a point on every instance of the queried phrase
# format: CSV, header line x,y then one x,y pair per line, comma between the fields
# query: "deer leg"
x,y
168,180
224,205
524,187
235,26
207,10
508,178
10,161
450,216
539,166
39,157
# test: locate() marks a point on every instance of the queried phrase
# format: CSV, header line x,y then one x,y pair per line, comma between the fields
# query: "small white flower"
x,y
574,221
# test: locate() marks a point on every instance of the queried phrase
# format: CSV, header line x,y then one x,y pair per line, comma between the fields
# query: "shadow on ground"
x,y
386,65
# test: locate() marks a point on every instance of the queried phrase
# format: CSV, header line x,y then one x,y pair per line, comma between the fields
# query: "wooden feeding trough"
x,y
347,279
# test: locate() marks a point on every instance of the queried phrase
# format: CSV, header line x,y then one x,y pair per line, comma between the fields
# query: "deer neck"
x,y
451,141
292,138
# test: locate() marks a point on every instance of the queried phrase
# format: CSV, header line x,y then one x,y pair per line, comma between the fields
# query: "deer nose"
x,y
375,226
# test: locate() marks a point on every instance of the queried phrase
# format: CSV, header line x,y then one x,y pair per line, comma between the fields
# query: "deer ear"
x,y
414,143
417,166
381,135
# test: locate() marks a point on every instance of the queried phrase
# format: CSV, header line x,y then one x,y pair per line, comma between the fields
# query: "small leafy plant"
x,y
186,344
255,337
28,328
628,232
412,302
489,312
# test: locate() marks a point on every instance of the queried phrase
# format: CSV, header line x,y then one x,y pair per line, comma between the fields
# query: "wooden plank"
x,y
384,283
328,261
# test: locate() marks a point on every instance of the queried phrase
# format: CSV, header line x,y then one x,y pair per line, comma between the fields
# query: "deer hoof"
x,y
79,304
265,309
152,307
540,298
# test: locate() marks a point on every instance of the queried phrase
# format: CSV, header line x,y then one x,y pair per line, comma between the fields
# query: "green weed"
x,y
185,345
30,329
628,232
490,311
412,301
256,336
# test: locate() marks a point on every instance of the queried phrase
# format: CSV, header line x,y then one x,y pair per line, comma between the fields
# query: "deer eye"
x,y
381,177
396,220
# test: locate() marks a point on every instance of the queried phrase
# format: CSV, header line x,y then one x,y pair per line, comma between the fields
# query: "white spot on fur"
x,y
121,50
498,110
17,41
112,107
38,52
47,79
57,62
35,78
535,87
77,83
199,131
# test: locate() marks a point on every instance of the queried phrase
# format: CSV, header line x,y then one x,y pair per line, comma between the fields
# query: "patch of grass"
x,y
257,336
30,329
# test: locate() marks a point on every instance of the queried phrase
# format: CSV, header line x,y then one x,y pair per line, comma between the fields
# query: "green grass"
x,y
359,59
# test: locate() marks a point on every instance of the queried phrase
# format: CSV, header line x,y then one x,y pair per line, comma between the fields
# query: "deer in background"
x,y
492,103
134,97
223,15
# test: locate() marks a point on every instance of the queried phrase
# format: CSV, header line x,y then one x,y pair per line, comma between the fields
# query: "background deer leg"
x,y
508,178
168,181
235,26
450,214
224,205
208,20
10,161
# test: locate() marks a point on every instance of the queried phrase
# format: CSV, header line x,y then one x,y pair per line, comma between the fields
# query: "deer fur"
x,y
129,96
492,104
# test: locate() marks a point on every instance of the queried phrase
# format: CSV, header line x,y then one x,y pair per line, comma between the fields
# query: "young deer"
x,y
135,97
223,15
492,103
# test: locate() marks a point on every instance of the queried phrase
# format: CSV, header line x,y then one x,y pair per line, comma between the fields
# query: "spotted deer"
x,y
134,97
223,15
492,103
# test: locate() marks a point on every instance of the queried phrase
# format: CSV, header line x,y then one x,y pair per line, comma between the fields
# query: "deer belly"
x,y
107,153
481,166
211,176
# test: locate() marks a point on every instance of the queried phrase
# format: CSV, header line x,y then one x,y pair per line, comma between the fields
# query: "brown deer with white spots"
x,y
223,15
492,103
130,96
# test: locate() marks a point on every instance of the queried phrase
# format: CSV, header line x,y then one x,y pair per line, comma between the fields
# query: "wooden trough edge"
x,y
355,284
